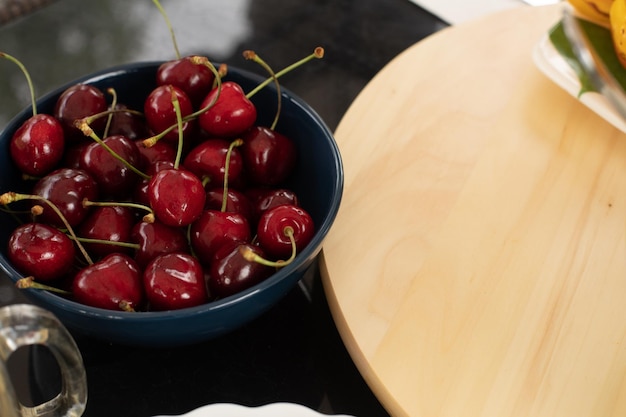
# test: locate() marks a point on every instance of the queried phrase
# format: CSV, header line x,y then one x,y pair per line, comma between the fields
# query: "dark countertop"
x,y
293,352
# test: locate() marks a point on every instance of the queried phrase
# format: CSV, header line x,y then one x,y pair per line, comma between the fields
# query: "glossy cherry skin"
x,y
37,146
141,188
40,251
128,124
269,156
214,229
263,199
156,239
174,281
230,273
196,80
110,223
77,102
160,151
177,196
272,225
115,179
208,160
112,283
231,115
66,188
236,202
160,114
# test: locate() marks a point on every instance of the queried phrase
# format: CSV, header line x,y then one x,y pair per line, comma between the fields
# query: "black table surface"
x,y
293,353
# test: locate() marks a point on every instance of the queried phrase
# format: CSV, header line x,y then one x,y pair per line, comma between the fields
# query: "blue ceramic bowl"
x,y
318,180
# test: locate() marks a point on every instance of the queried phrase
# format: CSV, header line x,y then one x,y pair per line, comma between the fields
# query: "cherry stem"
x,y
233,144
201,60
113,93
83,125
11,197
27,177
251,256
251,55
126,306
90,119
197,60
318,53
179,123
222,72
36,210
152,140
29,283
88,203
188,237
107,242
169,26
28,79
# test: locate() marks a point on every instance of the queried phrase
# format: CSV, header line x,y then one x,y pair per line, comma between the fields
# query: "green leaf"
x,y
601,41
564,48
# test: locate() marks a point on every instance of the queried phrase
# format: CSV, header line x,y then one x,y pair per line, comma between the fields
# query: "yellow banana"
x,y
618,29
594,10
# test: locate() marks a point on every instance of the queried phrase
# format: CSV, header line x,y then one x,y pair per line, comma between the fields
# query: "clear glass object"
x,y
24,325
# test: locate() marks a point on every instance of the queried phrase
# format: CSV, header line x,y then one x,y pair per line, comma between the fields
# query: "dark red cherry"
x,y
77,102
177,196
40,251
73,152
158,166
110,223
215,228
208,161
160,151
272,230
156,239
126,123
231,273
114,283
141,188
236,202
174,281
160,114
195,79
269,156
231,115
263,199
38,145
66,188
115,179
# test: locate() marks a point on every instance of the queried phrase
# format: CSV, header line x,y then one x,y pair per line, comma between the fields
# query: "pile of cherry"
x,y
161,208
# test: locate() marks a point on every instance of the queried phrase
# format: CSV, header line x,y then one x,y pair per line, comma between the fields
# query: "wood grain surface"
x,y
477,266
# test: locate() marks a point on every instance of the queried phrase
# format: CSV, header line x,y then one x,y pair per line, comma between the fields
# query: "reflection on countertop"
x,y
69,38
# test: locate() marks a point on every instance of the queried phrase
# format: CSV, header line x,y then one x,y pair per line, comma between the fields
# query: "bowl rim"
x,y
310,251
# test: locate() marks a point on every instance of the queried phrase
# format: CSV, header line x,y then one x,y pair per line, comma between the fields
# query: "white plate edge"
x,y
552,64
279,409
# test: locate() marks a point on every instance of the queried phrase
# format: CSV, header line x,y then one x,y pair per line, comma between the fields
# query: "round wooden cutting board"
x,y
477,266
